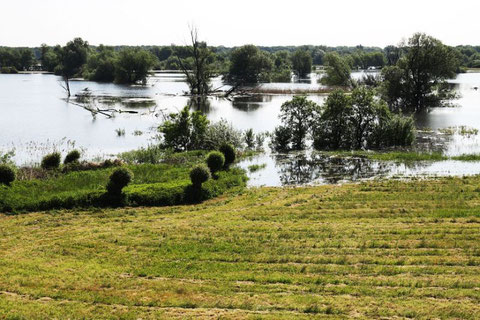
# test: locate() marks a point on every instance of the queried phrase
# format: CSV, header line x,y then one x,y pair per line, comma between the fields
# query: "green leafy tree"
x,y
184,130
298,115
249,65
133,65
101,65
302,62
426,65
72,57
337,70
360,121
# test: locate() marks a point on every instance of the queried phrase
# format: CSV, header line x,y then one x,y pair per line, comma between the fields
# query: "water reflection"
x,y
251,103
314,168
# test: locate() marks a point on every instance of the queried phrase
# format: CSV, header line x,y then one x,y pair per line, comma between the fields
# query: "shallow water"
x,y
314,168
35,118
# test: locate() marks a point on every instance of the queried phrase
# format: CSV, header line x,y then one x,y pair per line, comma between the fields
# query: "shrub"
x,y
72,156
199,175
119,179
7,174
51,161
221,132
215,161
250,139
229,153
281,138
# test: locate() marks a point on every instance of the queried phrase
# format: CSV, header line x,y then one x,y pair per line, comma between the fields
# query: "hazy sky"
x,y
231,23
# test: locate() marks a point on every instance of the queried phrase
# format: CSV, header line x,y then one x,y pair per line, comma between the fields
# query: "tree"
x,y
302,62
418,82
426,65
72,57
249,65
133,65
360,121
184,130
101,65
391,89
392,54
337,70
297,115
199,72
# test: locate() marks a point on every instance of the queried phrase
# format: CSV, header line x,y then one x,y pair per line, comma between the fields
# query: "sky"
x,y
234,23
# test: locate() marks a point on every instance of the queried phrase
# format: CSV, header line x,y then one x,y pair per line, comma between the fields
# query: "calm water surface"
x,y
35,118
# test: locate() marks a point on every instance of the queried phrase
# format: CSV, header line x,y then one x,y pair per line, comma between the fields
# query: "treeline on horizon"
x,y
167,58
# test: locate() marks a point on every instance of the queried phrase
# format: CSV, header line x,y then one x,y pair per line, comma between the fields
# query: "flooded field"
x,y
36,119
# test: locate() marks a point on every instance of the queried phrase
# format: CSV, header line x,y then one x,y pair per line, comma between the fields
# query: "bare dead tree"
x,y
198,75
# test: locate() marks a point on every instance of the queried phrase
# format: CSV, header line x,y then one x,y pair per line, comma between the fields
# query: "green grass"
x,y
154,184
389,249
257,167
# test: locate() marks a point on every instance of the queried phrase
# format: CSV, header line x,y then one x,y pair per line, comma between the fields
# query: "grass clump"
x,y
257,167
215,161
51,161
7,174
119,179
199,175
229,153
72,157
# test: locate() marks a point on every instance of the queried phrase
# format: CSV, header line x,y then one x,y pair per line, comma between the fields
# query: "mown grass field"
x,y
373,250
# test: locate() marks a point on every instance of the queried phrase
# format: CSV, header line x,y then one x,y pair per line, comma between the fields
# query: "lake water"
x,y
35,118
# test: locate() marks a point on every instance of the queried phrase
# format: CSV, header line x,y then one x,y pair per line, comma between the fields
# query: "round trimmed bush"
x,y
72,156
7,175
199,175
119,179
215,161
229,153
51,161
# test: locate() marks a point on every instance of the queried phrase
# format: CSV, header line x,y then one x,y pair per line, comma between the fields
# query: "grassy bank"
x,y
159,184
386,249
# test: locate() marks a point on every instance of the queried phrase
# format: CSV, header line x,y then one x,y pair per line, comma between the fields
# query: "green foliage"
x,y
184,130
161,184
133,65
7,174
199,174
228,152
72,157
215,161
418,82
14,59
101,65
51,161
302,62
8,70
298,115
396,130
337,70
6,157
249,65
332,131
360,121
72,57
281,138
249,139
119,179
219,133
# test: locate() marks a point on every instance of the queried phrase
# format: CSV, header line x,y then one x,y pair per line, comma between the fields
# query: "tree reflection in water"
x,y
318,168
